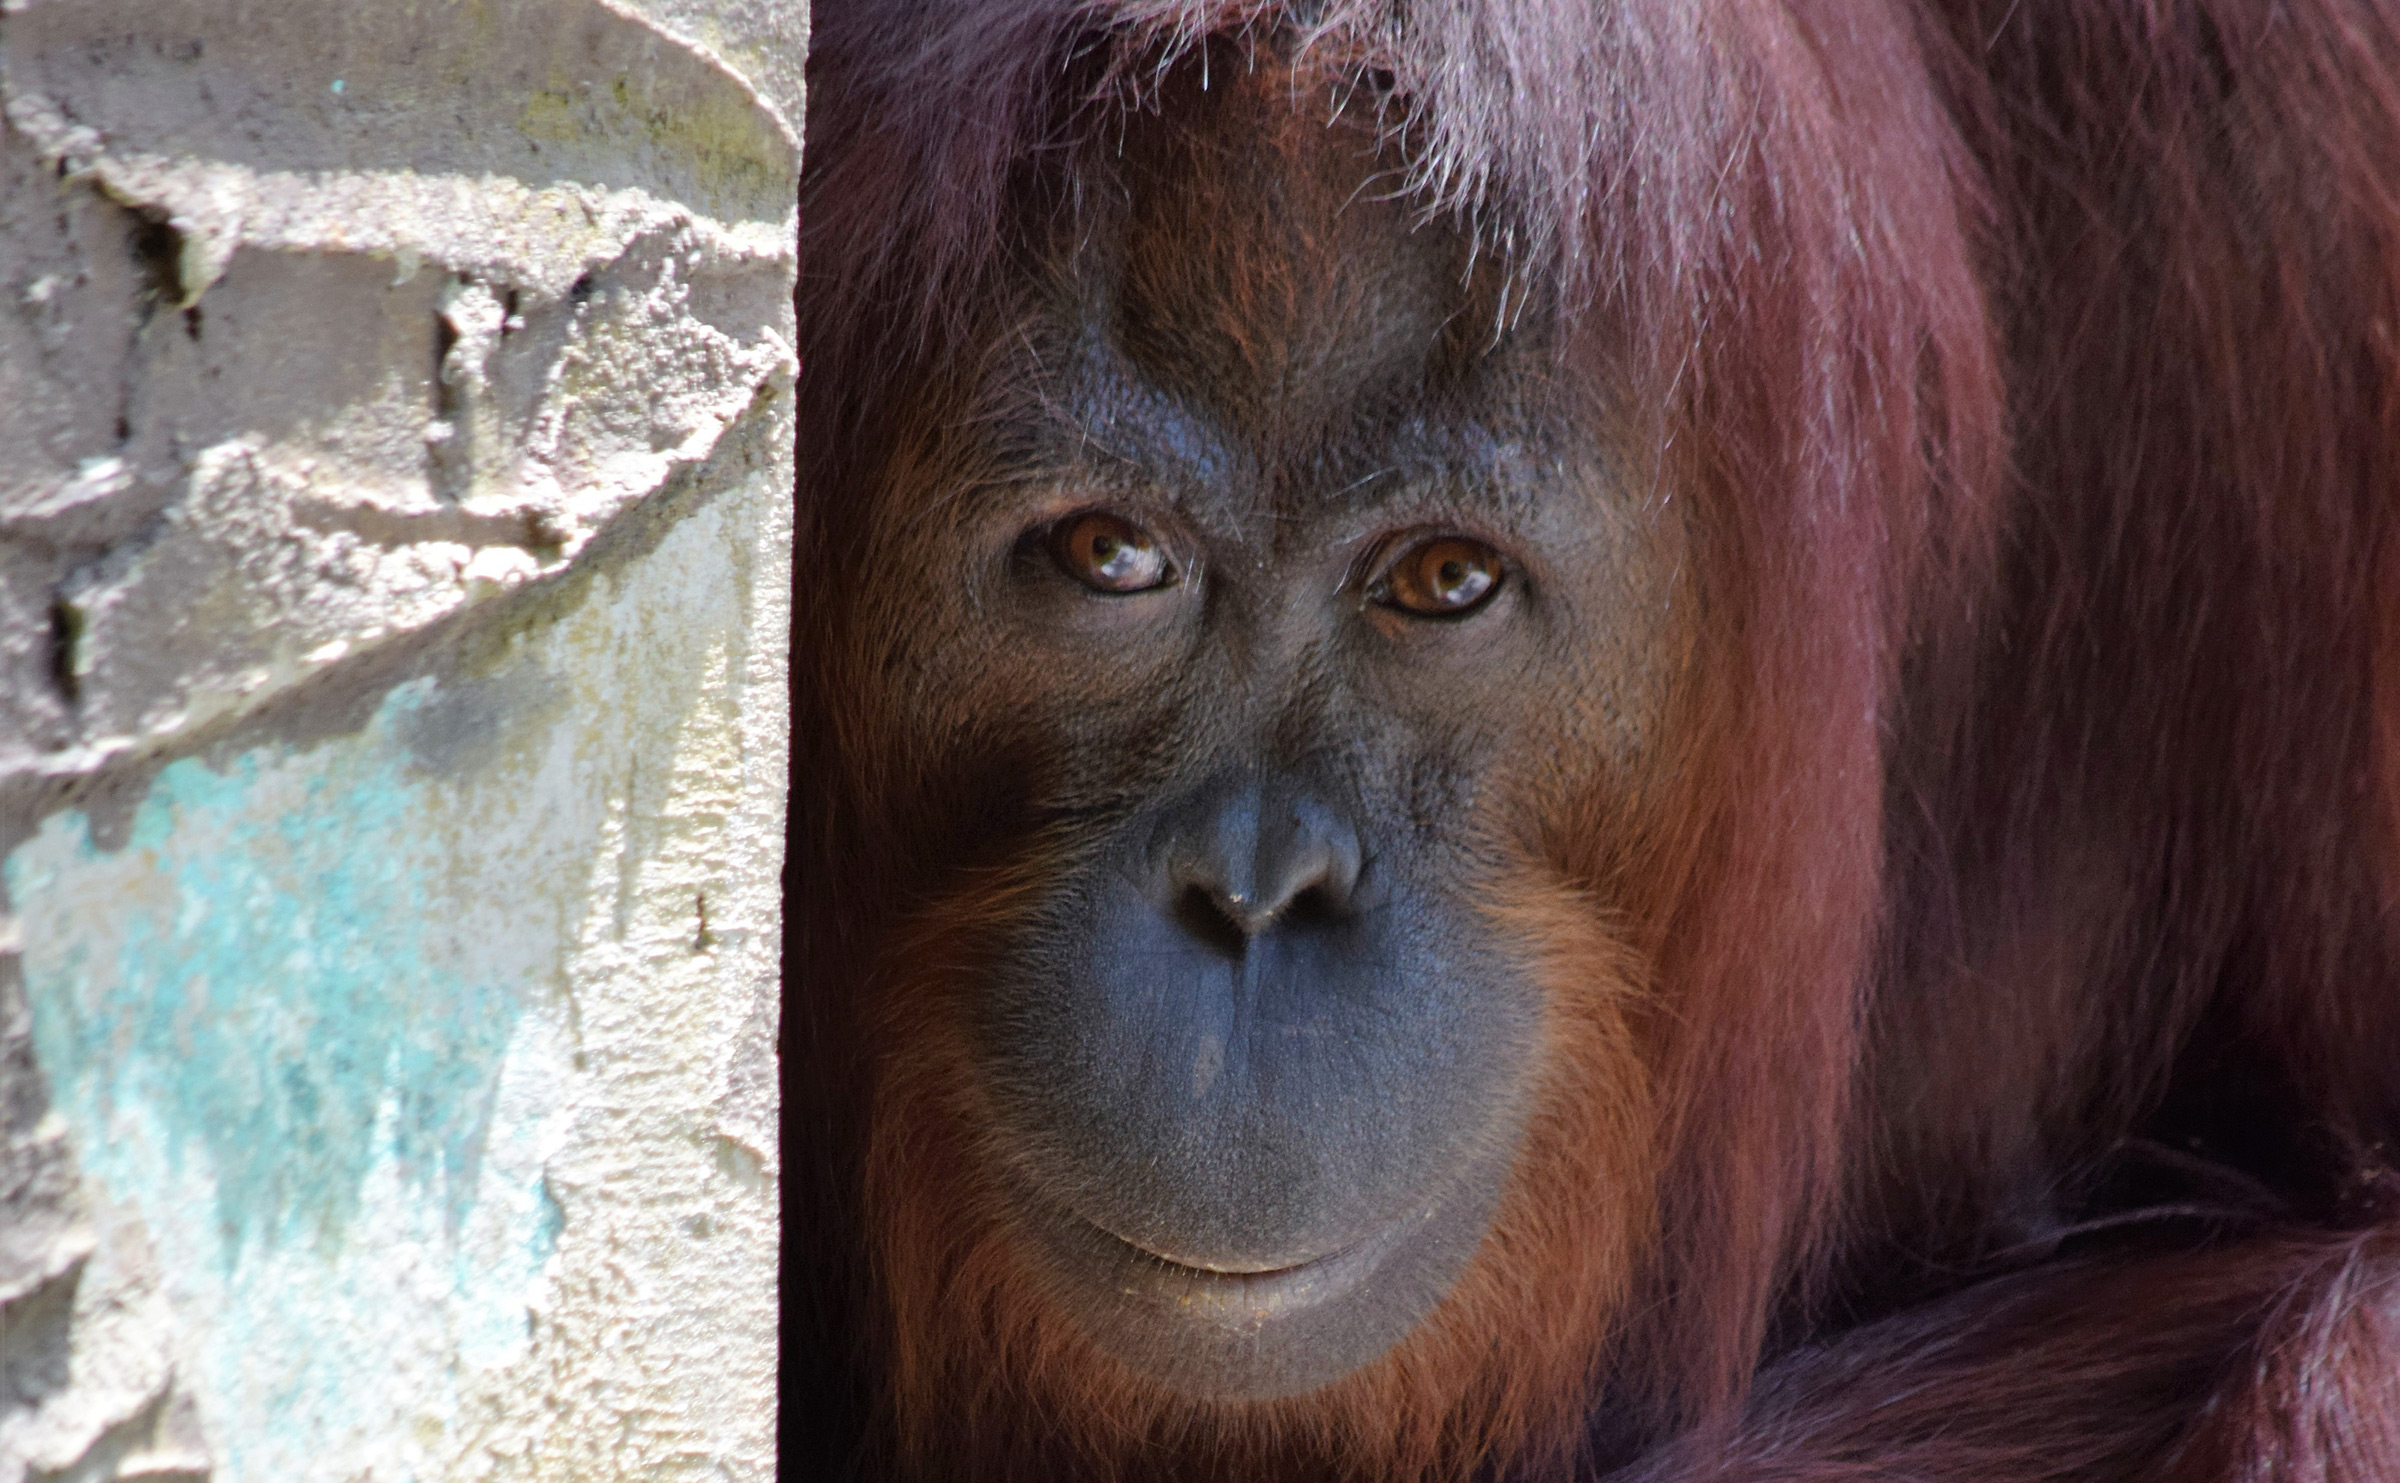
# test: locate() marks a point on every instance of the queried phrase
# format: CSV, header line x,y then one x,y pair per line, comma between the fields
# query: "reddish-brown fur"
x,y
1996,1013
967,1350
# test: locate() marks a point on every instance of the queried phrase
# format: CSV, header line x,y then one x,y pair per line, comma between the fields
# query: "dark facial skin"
x,y
1291,588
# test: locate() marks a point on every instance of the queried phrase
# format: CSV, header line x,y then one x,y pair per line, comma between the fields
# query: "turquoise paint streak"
x,y
323,997
275,951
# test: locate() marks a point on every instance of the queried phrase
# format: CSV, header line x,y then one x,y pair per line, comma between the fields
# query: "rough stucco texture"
x,y
395,425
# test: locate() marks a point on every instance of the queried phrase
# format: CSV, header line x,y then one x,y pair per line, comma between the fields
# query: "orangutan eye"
x,y
1110,555
1446,577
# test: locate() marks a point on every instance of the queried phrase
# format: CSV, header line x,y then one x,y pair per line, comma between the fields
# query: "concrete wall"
x,y
395,425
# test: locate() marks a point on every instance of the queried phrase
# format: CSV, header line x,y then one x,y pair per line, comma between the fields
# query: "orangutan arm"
x,y
2277,1358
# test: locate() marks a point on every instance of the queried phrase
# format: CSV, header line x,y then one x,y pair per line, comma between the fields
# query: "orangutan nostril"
x,y
1200,913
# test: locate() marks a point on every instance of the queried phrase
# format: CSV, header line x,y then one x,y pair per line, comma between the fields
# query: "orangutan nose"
x,y
1245,859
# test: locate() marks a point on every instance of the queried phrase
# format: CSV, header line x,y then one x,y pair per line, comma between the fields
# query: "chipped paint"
x,y
393,604
321,1014
267,988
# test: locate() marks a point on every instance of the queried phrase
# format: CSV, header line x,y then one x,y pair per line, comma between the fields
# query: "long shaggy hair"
x,y
2031,367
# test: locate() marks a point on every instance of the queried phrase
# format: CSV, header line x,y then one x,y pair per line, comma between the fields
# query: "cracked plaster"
x,y
393,564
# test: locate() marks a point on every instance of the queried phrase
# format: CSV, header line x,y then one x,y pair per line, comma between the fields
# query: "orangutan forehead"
x,y
1251,316
1262,252
1099,418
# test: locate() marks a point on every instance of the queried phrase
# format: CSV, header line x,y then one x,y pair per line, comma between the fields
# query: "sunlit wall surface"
x,y
395,425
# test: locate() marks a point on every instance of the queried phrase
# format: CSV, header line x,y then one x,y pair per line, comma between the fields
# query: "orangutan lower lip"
x,y
1228,1269
1259,1290
1260,1331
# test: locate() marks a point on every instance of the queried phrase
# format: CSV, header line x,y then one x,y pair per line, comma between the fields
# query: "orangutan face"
x,y
1294,593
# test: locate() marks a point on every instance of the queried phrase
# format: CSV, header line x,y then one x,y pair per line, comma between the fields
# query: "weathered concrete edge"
x,y
340,701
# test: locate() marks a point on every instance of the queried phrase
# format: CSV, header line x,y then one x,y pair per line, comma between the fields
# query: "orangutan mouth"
x,y
1237,1291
